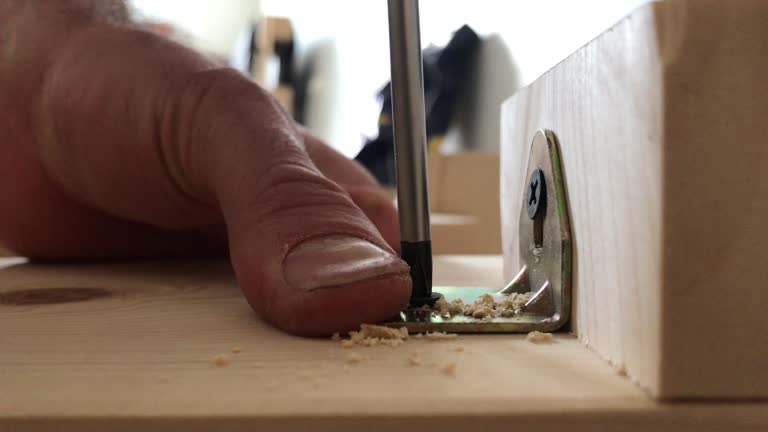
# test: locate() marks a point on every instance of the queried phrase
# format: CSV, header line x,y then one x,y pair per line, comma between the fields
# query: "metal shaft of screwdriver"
x,y
410,145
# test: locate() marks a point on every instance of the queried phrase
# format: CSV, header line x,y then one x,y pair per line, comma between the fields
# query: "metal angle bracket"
x,y
545,256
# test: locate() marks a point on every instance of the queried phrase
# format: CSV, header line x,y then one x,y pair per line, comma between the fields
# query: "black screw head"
x,y
536,197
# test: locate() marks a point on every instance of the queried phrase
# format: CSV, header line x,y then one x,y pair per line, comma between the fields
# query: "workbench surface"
x,y
129,346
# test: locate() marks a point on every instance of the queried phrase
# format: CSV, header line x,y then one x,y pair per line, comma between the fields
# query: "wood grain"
x,y
662,134
140,359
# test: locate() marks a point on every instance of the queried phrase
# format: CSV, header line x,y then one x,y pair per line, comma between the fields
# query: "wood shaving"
x,y
538,337
483,312
485,300
391,342
336,337
418,335
414,360
622,371
369,342
236,349
220,360
515,300
373,335
440,336
369,330
355,358
458,348
485,307
449,369
453,308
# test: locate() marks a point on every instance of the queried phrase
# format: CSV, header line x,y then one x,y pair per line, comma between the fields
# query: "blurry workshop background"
x,y
327,61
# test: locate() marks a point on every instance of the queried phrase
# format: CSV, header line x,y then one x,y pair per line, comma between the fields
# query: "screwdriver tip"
x,y
418,255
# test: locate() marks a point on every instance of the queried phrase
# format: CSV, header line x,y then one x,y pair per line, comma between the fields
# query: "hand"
x,y
115,142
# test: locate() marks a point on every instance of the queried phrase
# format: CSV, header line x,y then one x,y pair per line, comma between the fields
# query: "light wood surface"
x,y
661,122
140,358
464,203
464,200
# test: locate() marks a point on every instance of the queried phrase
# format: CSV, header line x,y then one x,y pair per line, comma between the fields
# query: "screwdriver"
x,y
407,84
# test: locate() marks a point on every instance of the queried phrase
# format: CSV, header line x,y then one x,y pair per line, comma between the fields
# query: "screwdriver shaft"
x,y
410,136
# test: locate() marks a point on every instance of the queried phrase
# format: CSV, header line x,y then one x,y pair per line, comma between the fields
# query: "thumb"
x,y
307,258
159,138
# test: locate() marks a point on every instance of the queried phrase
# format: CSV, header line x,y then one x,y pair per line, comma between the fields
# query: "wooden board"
x,y
464,203
661,122
464,200
138,357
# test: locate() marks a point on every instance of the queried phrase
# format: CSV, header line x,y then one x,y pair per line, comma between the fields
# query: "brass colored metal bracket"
x,y
545,237
546,258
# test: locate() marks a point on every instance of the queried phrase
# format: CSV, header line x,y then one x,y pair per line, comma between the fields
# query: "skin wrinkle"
x,y
251,192
116,113
327,202
267,203
277,143
173,148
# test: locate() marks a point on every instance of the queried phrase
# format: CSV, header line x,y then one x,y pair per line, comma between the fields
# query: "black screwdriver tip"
x,y
418,255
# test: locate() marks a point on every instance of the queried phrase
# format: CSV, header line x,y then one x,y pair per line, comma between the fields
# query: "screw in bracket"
x,y
537,193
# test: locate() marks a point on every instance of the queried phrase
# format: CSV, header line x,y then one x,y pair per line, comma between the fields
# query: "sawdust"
x,y
538,337
440,336
414,360
336,337
485,307
381,332
373,335
483,312
449,369
236,349
391,342
485,300
220,360
458,348
453,308
355,358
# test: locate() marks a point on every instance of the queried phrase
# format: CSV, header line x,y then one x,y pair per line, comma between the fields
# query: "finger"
x,y
376,203
157,138
335,165
379,206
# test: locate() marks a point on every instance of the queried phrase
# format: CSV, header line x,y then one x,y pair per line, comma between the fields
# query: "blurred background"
x,y
328,62
345,44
